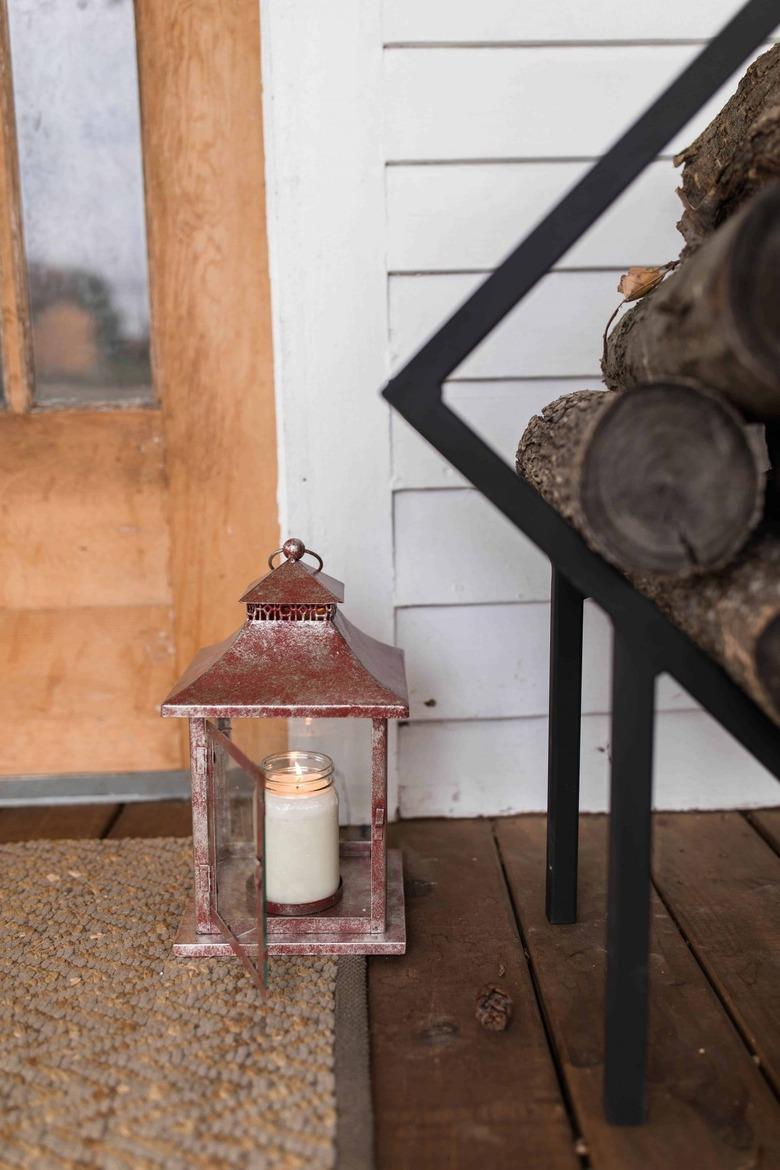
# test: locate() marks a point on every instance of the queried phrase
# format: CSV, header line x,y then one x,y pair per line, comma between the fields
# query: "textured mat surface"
x,y
118,1056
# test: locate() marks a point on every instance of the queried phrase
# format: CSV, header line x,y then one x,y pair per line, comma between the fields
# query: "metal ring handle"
x,y
310,552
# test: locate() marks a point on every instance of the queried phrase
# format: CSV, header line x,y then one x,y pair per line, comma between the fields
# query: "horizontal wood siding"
x,y
442,21
471,767
490,661
444,218
538,102
492,112
555,332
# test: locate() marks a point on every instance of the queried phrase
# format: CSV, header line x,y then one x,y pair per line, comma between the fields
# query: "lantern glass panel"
x,y
237,850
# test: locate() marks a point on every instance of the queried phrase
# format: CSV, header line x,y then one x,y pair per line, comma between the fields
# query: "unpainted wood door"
x,y
137,438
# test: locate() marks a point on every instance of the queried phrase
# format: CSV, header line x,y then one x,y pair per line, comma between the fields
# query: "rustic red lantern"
x,y
255,824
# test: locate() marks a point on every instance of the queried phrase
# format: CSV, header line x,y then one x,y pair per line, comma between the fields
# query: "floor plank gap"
x,y
578,1139
761,826
724,1003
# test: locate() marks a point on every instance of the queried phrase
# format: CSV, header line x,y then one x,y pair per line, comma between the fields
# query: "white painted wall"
x,y
410,145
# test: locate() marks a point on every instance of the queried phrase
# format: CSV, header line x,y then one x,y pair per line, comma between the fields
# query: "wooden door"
x,y
137,437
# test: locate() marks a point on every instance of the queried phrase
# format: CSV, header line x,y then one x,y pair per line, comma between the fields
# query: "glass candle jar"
x,y
301,833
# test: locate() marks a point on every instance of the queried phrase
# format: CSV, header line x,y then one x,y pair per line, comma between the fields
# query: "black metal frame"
x,y
645,642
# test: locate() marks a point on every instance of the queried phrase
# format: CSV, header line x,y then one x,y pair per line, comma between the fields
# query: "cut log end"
x,y
654,490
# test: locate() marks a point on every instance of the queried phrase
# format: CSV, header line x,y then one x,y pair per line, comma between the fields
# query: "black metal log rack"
x,y
645,642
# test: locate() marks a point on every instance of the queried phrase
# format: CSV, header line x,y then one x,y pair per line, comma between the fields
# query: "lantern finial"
x,y
293,548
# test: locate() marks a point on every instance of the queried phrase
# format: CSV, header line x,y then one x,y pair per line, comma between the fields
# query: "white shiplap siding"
x,y
410,144
488,122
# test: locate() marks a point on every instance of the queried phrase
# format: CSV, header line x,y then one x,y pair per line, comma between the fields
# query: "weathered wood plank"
x,y
56,822
448,1094
85,691
708,1104
154,818
767,822
721,882
83,505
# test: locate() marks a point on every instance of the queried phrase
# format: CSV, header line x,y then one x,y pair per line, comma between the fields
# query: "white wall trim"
x,y
325,195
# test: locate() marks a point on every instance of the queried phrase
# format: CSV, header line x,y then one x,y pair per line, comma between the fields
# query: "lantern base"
x,y
299,936
303,909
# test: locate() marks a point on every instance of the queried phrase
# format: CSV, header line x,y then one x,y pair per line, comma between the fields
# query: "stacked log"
x,y
642,475
715,319
737,155
664,473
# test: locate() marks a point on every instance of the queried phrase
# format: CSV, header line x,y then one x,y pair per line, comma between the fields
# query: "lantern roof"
x,y
295,655
293,583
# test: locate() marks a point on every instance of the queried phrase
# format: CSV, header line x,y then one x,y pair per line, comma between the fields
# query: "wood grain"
x,y
154,818
721,882
199,68
55,822
15,344
708,1104
83,510
86,690
446,1092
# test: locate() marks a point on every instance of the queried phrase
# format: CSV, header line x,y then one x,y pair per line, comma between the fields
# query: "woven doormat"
x,y
118,1056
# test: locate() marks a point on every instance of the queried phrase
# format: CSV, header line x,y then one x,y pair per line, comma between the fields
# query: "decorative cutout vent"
x,y
290,613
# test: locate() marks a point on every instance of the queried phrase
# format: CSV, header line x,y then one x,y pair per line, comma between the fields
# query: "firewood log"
x,y
737,154
734,615
664,480
716,319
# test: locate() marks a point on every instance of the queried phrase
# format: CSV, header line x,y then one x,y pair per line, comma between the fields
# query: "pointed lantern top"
x,y
296,654
293,583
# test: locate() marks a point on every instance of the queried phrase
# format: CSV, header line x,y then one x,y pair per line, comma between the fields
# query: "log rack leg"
x,y
563,759
628,910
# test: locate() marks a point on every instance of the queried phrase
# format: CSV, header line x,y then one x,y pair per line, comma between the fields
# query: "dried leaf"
x,y
638,281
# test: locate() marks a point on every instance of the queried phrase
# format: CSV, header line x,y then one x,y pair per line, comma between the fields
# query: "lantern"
x,y
271,875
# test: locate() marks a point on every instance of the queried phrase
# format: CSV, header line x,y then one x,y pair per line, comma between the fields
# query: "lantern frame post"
x,y
378,825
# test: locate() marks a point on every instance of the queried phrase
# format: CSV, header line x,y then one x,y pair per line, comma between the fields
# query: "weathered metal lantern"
x,y
295,655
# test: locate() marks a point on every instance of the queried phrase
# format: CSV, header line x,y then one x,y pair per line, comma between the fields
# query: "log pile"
x,y
665,473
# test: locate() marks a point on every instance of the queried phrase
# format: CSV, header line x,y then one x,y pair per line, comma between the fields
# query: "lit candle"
x,y
301,828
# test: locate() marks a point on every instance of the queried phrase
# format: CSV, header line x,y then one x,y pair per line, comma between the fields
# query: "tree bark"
x,y
663,481
716,319
736,155
735,616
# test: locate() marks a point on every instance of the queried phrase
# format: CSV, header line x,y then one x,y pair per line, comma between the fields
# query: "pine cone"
x,y
493,1008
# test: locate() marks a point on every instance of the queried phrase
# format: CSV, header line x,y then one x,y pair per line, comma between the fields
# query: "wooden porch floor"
x,y
448,1094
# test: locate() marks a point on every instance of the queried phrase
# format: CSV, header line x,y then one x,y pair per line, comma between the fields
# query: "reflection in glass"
x,y
234,846
78,126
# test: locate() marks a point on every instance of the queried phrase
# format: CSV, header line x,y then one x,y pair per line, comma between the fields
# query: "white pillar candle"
x,y
301,828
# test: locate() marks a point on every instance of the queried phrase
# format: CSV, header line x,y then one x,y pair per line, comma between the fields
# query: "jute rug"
x,y
117,1056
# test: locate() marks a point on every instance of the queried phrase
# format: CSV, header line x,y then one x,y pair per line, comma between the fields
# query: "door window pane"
x,y
79,137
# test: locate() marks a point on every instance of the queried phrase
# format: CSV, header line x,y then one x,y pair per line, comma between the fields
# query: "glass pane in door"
x,y
75,83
